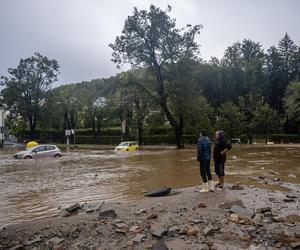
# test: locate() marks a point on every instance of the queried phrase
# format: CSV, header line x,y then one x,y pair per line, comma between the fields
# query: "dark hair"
x,y
221,133
203,132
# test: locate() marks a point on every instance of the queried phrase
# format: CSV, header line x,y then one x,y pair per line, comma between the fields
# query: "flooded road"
x,y
32,189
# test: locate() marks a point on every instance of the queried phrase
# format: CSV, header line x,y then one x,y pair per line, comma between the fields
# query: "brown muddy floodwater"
x,y
32,189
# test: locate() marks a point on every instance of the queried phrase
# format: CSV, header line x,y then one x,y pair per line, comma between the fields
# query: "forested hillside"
x,y
248,92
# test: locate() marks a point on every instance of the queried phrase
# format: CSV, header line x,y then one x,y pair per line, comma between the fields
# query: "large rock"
x,y
229,204
95,207
284,236
17,247
209,230
64,213
72,208
295,245
237,186
234,218
160,246
136,229
110,213
203,247
193,231
120,225
292,218
35,240
160,232
278,219
152,217
102,230
264,210
138,238
242,211
55,240
173,231
288,200
140,211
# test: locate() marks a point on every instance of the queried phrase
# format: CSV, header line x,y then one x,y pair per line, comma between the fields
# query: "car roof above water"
x,y
41,145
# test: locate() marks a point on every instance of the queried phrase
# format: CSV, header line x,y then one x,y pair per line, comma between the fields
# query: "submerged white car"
x,y
39,152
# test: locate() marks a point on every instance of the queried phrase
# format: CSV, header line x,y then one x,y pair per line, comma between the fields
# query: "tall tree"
x,y
230,119
26,88
142,104
292,104
275,88
151,39
288,52
232,72
265,120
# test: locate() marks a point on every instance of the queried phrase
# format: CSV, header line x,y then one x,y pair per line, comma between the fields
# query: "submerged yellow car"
x,y
127,146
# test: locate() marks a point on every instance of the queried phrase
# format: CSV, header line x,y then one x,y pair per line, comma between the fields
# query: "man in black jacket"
x,y
220,149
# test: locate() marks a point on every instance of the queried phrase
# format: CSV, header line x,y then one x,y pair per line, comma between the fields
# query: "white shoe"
x,y
204,188
211,186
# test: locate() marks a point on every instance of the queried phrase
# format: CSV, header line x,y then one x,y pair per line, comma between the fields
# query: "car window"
x,y
49,148
130,144
124,144
39,149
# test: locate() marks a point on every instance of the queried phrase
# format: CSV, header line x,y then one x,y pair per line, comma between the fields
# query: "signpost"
x,y
123,128
73,133
67,134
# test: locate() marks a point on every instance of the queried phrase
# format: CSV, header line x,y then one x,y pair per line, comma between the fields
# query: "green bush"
x,y
168,139
285,138
87,137
190,139
42,136
159,139
244,138
159,131
104,132
105,140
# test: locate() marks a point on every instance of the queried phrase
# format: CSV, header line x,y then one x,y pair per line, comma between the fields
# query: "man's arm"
x,y
228,147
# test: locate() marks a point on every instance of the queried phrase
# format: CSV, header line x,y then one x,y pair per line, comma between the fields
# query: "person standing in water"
x,y
220,149
204,157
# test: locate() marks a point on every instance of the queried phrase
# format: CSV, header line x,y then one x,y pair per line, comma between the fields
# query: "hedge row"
x,y
285,138
148,140
114,137
106,132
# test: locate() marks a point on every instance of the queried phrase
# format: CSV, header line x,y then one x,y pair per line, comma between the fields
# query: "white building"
x,y
2,116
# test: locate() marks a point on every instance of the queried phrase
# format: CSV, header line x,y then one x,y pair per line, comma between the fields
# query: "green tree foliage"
x,y
292,103
265,120
27,86
288,52
276,86
230,119
168,90
151,39
141,102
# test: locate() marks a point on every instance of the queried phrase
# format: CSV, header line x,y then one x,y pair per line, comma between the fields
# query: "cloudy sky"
x,y
77,32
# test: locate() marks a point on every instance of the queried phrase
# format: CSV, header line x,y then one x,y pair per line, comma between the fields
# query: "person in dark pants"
x,y
204,157
220,149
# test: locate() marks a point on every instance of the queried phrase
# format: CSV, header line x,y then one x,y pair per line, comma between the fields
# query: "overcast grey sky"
x,y
77,32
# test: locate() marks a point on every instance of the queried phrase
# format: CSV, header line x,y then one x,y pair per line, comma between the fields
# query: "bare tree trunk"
x,y
31,126
177,128
98,127
94,126
140,133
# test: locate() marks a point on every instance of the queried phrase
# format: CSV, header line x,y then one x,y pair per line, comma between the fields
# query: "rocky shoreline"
x,y
238,217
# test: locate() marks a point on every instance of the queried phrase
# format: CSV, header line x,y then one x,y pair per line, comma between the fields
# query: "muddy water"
x,y
32,189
